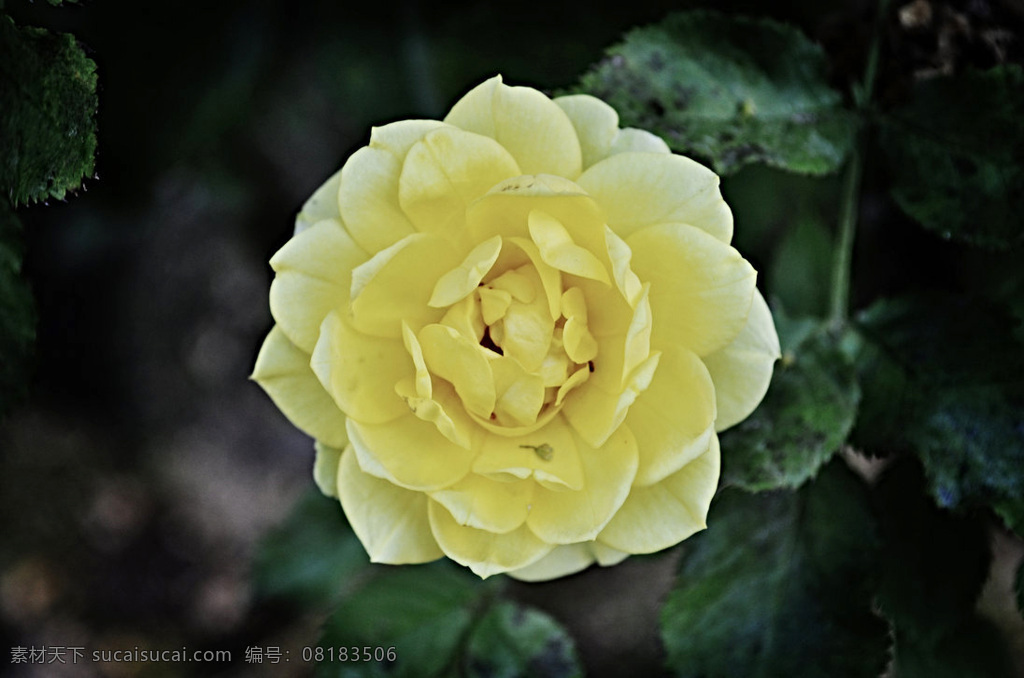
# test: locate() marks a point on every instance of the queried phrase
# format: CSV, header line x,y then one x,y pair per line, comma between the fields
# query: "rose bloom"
x,y
514,335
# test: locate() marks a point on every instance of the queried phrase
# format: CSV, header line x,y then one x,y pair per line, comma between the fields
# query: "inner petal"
x,y
463,363
462,280
557,248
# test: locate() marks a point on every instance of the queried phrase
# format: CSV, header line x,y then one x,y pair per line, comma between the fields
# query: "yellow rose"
x,y
514,335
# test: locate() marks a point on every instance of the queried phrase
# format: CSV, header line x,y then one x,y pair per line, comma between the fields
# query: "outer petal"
x,y
563,560
360,372
323,204
661,515
314,273
537,133
484,552
283,370
743,369
641,189
673,420
368,192
566,517
632,140
701,288
369,199
325,468
391,522
396,284
569,559
596,123
409,452
487,504
446,171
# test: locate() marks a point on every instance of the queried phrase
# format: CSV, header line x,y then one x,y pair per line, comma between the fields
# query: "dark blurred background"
x,y
137,479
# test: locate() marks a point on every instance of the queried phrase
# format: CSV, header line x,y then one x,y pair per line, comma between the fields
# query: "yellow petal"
x,y
662,515
596,124
456,359
487,504
673,420
323,204
506,209
579,343
701,288
360,372
571,516
562,561
632,140
325,468
466,317
641,189
369,199
520,394
596,413
742,370
283,371
398,137
409,452
526,329
462,280
550,278
446,171
537,133
558,250
314,273
395,285
549,454
605,555
392,523
486,553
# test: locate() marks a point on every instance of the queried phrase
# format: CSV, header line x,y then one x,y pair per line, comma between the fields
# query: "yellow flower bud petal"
x,y
596,124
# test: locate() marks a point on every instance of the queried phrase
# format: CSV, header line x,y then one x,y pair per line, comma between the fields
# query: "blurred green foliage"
x,y
732,91
794,600
48,128
955,150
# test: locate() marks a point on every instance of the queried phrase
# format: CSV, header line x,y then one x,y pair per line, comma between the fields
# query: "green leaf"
x,y
512,642
800,273
423,611
779,585
805,417
934,562
313,557
973,650
731,90
48,99
954,152
17,313
943,378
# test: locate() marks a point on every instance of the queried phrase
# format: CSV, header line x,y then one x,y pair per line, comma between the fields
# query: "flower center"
x,y
514,339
